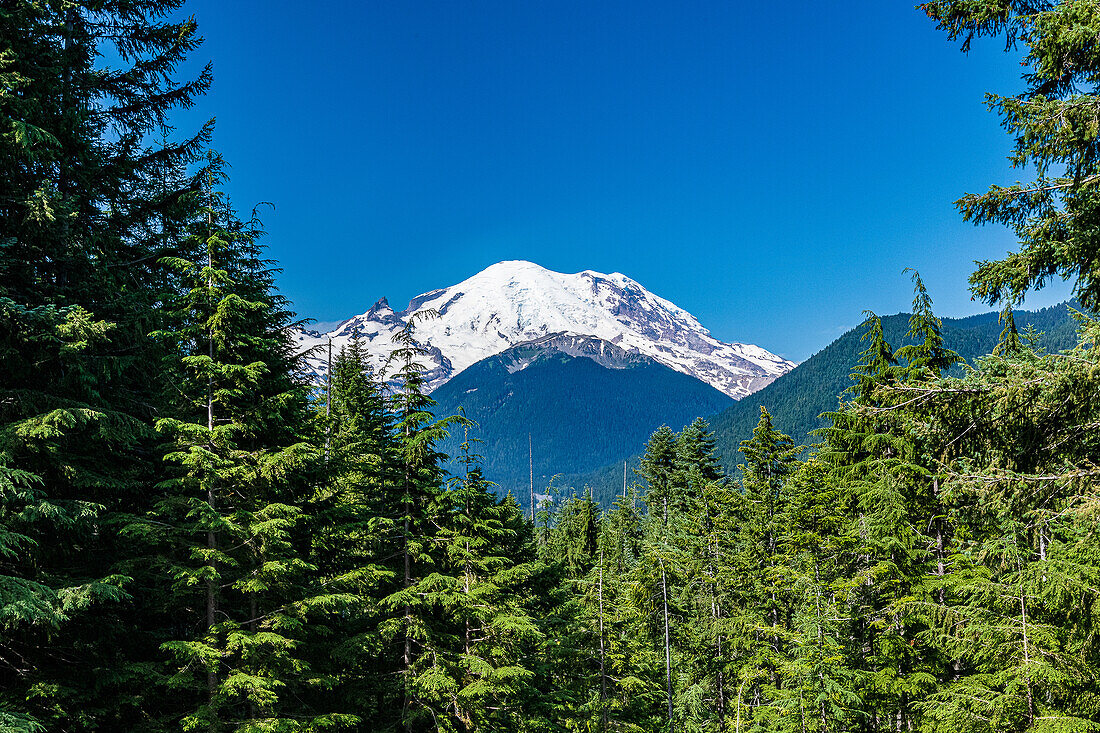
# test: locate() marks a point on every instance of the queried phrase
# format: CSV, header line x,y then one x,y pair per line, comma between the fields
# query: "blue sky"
x,y
771,167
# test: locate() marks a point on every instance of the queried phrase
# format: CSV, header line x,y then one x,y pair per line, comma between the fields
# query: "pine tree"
x,y
89,204
351,533
658,572
1053,124
819,691
762,593
229,519
1018,485
418,501
872,459
479,588
928,356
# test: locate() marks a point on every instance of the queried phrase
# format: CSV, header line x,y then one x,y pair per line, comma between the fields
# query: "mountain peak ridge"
x,y
517,301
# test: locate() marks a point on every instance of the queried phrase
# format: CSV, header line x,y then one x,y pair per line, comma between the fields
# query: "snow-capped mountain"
x,y
513,302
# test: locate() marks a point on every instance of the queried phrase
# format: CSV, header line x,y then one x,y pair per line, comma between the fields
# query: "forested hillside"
x,y
798,400
579,414
194,536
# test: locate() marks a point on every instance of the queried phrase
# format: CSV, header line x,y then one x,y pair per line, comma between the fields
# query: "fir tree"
x,y
89,204
927,357
417,502
351,532
658,572
1053,125
762,593
1017,486
819,691
874,467
480,590
228,521
708,500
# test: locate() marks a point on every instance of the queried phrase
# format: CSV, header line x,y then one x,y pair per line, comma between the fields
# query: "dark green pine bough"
x,y
193,536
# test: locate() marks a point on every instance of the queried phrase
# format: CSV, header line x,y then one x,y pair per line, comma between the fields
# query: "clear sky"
x,y
770,167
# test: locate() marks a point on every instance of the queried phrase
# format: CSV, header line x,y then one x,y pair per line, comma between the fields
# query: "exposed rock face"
x,y
604,353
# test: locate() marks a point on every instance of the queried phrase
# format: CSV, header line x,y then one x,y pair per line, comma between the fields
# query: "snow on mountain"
x,y
513,302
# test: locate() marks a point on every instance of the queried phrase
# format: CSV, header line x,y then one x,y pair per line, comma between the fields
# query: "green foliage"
x,y
798,399
581,416
89,207
1053,123
228,522
192,537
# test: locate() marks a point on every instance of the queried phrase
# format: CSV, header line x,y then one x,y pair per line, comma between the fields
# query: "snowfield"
x,y
513,302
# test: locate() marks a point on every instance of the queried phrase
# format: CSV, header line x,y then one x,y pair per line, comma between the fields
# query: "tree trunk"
x,y
716,615
406,659
211,598
603,662
668,645
1027,658
940,566
211,536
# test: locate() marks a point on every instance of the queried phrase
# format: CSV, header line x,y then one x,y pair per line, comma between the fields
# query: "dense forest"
x,y
194,536
581,415
799,403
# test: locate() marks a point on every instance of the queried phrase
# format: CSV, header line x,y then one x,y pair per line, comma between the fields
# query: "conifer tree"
x,y
928,356
85,213
707,503
658,572
870,457
575,537
658,468
479,588
1015,449
762,593
569,554
351,533
819,691
1053,126
228,520
1018,483
418,501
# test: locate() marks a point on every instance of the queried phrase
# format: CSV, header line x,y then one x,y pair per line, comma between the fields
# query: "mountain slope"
x,y
514,302
796,399
584,401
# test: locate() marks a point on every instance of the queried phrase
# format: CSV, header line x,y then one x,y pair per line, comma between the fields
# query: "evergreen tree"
x,y
658,574
228,523
483,675
819,690
89,204
351,533
1018,485
705,497
658,469
1053,124
761,588
872,459
417,503
927,356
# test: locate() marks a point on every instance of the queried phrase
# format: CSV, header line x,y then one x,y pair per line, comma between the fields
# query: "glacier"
x,y
515,301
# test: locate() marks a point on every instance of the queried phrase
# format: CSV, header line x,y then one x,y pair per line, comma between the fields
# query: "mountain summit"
x,y
515,302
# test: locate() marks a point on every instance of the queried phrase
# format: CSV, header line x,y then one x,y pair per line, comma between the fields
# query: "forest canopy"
x,y
194,535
